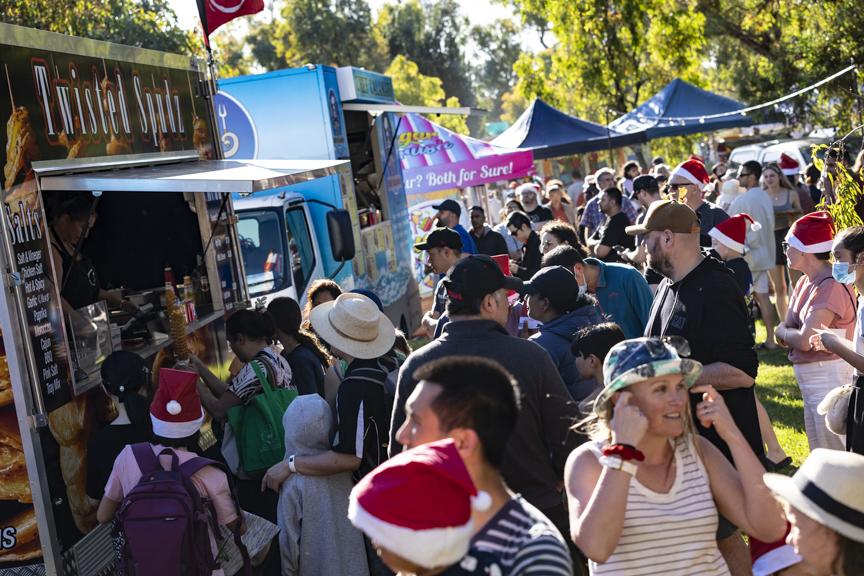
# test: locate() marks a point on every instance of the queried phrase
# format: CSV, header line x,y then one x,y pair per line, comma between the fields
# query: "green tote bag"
x,y
258,425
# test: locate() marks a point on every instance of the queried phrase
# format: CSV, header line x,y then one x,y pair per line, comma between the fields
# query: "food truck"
x,y
323,113
130,132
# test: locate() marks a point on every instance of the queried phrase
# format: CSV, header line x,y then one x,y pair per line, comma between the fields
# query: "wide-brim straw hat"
x,y
353,324
827,488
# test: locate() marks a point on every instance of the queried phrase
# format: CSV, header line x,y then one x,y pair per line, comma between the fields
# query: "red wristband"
x,y
624,451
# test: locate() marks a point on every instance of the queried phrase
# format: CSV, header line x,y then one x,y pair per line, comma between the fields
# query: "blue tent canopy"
x,y
551,133
681,108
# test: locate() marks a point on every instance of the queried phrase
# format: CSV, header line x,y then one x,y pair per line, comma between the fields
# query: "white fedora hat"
x,y
353,324
827,488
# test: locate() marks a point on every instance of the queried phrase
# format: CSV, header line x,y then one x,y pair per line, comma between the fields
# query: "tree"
x,y
432,34
145,23
610,57
332,32
498,46
413,88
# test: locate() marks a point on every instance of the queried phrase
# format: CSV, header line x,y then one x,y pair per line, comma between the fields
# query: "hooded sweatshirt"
x,y
556,336
315,535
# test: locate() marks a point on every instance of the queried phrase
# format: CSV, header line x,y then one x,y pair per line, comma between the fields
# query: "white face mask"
x,y
583,289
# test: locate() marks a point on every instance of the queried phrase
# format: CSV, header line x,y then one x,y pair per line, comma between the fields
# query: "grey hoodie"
x,y
316,538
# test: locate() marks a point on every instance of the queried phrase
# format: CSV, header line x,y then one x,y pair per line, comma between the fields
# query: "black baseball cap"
x,y
440,238
450,206
645,182
556,283
476,276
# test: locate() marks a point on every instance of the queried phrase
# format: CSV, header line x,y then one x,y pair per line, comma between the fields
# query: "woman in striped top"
x,y
645,493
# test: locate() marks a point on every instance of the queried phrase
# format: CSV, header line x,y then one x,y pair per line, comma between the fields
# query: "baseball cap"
x,y
555,283
440,238
450,206
476,276
667,215
644,182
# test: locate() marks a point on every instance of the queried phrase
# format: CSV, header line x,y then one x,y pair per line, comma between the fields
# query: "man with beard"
x,y
538,214
700,301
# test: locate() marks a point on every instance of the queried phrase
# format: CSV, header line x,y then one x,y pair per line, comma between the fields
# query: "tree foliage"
x,y
413,88
610,56
498,48
145,23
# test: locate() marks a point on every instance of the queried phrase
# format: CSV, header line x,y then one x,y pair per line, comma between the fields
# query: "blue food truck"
x,y
322,113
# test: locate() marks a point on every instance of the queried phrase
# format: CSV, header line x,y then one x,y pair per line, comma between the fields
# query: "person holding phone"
x,y
647,472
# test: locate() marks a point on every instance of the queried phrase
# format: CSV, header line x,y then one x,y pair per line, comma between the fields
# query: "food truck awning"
x,y
183,173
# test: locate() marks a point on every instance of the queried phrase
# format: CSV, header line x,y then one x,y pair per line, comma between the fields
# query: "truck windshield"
x,y
262,244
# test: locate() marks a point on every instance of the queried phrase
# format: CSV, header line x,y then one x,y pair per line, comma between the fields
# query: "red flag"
x,y
214,13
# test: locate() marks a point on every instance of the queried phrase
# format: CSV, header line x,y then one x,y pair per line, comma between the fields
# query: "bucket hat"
x,y
354,325
827,488
639,359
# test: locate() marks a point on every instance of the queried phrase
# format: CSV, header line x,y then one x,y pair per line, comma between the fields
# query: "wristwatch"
x,y
616,463
291,465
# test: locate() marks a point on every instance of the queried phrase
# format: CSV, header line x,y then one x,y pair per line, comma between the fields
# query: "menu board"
x,y
19,538
25,220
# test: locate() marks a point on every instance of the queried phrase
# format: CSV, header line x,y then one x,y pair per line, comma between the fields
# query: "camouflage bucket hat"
x,y
639,359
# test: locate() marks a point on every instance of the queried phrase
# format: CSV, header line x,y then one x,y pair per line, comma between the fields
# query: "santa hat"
x,y
693,171
732,232
417,505
176,408
789,165
771,557
812,233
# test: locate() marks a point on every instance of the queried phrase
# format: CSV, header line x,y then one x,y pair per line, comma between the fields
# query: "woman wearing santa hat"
x,y
818,303
787,207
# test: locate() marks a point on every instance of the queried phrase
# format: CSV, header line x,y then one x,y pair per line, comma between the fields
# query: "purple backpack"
x,y
162,526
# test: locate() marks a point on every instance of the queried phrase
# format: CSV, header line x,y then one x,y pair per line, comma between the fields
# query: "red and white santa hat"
x,y
789,165
771,557
693,171
812,233
418,504
176,408
732,232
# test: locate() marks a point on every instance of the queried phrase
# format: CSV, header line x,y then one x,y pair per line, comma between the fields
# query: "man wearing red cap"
x,y
687,182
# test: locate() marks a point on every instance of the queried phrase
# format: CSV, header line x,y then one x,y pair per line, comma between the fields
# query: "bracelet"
x,y
291,465
624,451
616,463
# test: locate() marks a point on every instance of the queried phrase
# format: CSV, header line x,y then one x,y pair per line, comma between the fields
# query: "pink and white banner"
x,y
434,158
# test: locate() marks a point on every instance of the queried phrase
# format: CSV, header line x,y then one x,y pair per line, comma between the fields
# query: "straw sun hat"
x,y
353,324
827,488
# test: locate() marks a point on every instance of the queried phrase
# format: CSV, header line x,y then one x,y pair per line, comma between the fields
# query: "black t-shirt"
x,y
307,373
613,233
491,243
540,214
104,447
743,276
707,309
363,411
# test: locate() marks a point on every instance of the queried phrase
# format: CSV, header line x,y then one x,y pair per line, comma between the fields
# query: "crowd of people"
x,y
585,403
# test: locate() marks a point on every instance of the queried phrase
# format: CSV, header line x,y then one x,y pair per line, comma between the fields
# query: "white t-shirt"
x,y
761,247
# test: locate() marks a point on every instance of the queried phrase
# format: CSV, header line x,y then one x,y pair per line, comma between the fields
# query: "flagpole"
x,y
210,92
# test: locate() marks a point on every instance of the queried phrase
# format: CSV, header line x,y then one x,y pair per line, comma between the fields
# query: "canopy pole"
x,y
609,140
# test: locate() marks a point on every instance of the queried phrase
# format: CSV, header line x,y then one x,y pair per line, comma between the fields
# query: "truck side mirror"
x,y
341,235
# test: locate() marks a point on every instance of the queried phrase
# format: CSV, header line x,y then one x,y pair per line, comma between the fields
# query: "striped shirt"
x,y
525,541
673,534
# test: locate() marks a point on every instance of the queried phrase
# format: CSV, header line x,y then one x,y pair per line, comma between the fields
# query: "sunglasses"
x,y
744,174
